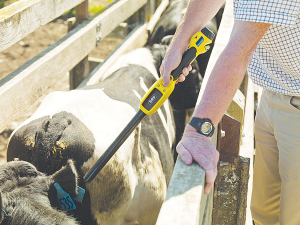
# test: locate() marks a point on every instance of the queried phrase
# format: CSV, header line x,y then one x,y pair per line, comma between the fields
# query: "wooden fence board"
x,y
23,17
82,69
185,192
137,38
22,87
156,16
186,202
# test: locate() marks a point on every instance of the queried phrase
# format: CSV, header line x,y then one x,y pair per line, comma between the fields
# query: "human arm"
x,y
197,15
223,83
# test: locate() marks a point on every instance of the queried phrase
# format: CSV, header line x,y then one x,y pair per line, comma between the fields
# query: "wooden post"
x,y
150,9
81,70
231,185
82,11
229,135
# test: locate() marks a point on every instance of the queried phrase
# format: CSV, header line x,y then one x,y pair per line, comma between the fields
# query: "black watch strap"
x,y
203,126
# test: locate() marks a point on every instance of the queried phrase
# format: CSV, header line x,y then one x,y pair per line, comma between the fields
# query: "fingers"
x,y
181,78
166,74
185,72
210,177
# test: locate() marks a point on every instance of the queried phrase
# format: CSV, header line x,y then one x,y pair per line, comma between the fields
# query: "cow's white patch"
x,y
170,125
165,124
140,56
143,85
137,94
98,111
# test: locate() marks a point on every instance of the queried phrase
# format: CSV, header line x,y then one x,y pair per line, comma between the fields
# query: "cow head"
x,y
28,197
48,142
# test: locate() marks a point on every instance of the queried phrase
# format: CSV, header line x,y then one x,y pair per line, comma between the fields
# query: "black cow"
x,y
29,197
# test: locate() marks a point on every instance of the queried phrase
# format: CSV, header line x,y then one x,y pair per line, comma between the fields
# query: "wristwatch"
x,y
203,126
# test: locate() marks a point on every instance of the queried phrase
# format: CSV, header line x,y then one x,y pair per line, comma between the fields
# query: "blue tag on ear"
x,y
64,199
80,194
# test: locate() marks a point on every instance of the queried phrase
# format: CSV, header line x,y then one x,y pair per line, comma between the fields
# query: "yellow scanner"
x,y
158,94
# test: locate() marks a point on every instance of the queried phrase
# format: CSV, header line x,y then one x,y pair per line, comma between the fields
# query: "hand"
x,y
197,147
171,62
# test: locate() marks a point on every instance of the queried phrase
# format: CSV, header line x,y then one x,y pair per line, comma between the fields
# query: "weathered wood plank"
x,y
185,192
237,107
230,192
184,195
156,16
231,185
82,69
228,138
22,87
137,38
23,17
82,11
186,202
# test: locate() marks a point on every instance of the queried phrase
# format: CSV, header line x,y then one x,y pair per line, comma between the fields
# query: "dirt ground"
x,y
30,46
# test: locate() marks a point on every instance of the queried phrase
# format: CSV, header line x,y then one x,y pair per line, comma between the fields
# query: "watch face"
x,y
206,128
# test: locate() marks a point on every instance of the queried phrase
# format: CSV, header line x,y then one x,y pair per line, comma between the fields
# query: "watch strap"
x,y
197,123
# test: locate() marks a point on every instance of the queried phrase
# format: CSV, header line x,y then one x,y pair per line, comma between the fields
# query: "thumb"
x,y
185,155
165,72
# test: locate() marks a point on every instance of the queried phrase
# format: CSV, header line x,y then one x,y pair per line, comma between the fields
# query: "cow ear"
x,y
66,177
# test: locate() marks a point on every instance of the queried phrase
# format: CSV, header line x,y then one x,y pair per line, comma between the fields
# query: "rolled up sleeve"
x,y
282,12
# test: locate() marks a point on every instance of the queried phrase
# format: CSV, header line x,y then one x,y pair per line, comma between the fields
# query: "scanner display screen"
x,y
199,42
152,99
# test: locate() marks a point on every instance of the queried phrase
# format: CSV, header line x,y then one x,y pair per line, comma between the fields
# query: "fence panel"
x,y
23,17
26,84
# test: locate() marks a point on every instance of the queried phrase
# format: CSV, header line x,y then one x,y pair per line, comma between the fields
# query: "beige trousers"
x,y
276,179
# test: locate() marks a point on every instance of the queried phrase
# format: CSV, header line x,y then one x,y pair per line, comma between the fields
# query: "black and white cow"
x,y
28,197
82,123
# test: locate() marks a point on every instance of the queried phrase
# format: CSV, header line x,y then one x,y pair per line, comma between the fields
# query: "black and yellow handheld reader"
x,y
155,97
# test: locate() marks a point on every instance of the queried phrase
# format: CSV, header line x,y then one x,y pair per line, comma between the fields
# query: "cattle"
x,y
26,193
81,124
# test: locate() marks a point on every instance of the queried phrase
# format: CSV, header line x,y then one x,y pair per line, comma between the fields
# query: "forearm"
x,y
229,70
198,13
222,85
